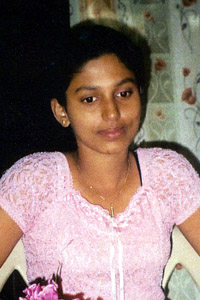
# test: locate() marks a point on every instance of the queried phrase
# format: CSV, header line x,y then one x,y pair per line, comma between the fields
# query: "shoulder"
x,y
34,168
37,159
160,158
34,163
159,154
165,166
29,186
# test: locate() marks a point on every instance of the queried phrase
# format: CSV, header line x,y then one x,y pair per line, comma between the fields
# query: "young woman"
x,y
104,213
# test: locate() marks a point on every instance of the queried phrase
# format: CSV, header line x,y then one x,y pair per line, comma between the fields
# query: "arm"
x,y
10,233
191,230
22,189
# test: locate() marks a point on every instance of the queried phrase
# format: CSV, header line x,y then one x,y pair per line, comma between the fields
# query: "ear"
x,y
59,112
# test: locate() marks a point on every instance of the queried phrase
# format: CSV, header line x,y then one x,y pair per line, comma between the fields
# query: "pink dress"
x,y
102,257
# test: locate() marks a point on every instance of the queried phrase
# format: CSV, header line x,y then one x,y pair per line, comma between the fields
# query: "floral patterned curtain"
x,y
185,44
172,29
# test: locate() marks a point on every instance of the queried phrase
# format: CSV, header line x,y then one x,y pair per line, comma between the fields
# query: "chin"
x,y
114,149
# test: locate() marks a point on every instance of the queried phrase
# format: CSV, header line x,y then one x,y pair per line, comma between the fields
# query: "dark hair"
x,y
87,41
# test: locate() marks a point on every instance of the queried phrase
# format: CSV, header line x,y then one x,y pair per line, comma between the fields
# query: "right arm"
x,y
10,233
15,198
23,190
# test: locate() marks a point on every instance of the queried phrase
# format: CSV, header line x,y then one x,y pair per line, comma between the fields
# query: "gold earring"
x,y
63,122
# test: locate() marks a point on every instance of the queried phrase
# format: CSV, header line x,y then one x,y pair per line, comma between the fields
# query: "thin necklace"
x,y
94,189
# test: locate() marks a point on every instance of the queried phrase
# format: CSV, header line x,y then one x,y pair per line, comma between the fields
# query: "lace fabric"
x,y
60,226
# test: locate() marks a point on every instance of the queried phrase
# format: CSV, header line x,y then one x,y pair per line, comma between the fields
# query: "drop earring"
x,y
63,122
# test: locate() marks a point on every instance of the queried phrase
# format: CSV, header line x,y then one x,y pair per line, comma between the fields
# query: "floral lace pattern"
x,y
60,226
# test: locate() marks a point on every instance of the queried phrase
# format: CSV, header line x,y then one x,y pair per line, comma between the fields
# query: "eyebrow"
x,y
125,80
86,87
90,88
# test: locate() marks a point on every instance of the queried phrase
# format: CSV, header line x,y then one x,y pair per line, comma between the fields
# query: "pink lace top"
x,y
103,257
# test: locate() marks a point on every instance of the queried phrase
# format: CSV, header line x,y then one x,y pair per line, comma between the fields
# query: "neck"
x,y
108,170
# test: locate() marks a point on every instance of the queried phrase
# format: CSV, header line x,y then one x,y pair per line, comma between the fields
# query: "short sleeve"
x,y
180,186
187,190
24,189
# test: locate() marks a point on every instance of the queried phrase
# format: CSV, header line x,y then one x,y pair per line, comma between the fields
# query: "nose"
x,y
110,110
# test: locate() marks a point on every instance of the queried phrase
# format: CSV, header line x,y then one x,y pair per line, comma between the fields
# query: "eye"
x,y
124,94
89,100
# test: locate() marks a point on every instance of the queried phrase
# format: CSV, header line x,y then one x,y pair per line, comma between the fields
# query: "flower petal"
x,y
186,72
160,64
188,96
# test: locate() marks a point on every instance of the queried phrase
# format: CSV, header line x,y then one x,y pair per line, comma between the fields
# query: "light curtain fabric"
x,y
172,29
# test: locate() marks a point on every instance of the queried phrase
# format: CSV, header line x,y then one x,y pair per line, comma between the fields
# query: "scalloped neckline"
x,y
96,207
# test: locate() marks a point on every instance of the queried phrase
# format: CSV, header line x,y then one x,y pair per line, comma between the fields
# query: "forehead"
x,y
103,61
106,68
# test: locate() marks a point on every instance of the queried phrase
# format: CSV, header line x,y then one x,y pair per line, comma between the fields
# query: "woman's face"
x,y
103,106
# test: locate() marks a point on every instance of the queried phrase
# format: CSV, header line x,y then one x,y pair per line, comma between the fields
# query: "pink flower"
x,y
160,64
38,292
188,96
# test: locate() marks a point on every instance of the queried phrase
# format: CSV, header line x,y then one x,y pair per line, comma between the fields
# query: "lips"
x,y
112,133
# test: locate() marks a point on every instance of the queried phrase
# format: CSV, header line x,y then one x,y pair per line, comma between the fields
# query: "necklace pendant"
x,y
112,211
102,198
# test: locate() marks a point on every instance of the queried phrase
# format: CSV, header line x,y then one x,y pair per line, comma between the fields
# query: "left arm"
x,y
191,230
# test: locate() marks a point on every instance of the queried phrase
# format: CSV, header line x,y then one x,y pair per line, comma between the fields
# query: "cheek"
x,y
82,123
80,117
133,113
138,114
